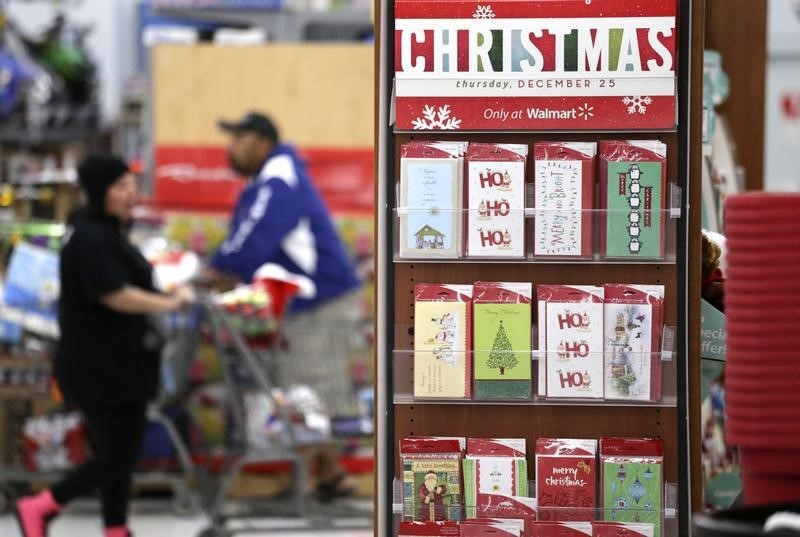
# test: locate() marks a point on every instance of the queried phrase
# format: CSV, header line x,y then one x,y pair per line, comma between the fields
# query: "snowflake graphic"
x,y
483,12
436,119
637,104
586,111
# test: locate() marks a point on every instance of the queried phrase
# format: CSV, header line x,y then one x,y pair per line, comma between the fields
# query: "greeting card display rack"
x,y
673,417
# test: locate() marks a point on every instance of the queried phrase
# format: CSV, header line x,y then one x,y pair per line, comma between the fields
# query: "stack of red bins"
x,y
762,304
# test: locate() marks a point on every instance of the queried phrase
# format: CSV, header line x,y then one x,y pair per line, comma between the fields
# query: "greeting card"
x,y
622,529
564,194
496,200
429,529
493,528
632,480
571,334
432,478
430,199
442,334
561,529
502,340
633,180
495,472
633,325
566,477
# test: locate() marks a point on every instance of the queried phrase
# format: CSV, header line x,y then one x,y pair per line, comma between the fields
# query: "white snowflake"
x,y
483,12
436,119
586,111
637,104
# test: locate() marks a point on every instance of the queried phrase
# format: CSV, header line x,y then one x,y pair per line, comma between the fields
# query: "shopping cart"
x,y
178,474
20,467
248,366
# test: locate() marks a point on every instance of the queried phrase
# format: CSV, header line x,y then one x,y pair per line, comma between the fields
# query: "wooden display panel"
x,y
315,93
738,30
677,425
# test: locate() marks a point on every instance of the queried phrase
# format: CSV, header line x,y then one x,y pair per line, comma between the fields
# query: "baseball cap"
x,y
252,122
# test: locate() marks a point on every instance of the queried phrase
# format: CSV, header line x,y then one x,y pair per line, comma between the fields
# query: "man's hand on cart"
x,y
214,280
185,294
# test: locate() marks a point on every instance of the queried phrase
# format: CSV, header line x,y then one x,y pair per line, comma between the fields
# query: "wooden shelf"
x,y
675,419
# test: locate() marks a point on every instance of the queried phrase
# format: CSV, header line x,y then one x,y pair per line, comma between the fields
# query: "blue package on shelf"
x,y
32,280
10,333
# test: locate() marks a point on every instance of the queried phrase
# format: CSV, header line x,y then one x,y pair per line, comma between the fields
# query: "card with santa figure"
x,y
496,200
633,325
442,336
432,478
571,335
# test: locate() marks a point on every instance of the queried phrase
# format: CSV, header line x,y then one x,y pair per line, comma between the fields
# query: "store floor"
x,y
153,519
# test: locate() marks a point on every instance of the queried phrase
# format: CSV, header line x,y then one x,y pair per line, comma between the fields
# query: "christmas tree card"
x,y
633,180
430,199
564,194
494,470
561,529
502,340
442,338
496,200
432,478
566,478
486,527
633,480
571,333
429,529
633,325
622,529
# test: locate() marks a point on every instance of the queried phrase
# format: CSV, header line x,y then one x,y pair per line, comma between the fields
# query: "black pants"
x,y
117,433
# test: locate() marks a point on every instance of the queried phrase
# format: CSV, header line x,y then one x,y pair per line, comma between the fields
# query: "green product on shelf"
x,y
495,478
633,480
634,194
619,207
502,340
32,229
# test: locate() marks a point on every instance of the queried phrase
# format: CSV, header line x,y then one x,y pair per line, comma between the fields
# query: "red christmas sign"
x,y
535,65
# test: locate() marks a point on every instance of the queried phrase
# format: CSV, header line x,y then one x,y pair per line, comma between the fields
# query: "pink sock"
x,y
35,512
117,531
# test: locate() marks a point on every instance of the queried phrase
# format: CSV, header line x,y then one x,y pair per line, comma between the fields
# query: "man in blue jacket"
x,y
281,219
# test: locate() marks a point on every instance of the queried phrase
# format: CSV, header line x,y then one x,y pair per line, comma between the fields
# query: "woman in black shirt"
x,y
107,362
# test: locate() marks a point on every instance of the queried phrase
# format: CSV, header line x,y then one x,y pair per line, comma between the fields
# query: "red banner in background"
x,y
193,177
